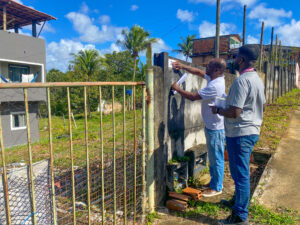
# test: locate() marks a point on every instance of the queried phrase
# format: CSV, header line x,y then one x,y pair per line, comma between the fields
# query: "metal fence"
x,y
111,190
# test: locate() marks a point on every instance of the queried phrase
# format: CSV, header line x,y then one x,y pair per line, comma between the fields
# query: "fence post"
x,y
32,190
271,45
4,175
279,69
261,45
150,130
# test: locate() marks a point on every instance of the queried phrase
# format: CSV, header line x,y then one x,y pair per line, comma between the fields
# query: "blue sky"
x,y
98,24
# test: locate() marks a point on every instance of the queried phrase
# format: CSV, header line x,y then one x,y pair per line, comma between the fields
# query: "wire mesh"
x,y
20,196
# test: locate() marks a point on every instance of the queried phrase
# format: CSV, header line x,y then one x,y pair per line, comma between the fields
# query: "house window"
x,y
16,71
18,121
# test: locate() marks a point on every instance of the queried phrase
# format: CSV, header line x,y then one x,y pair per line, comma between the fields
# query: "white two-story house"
x,y
22,59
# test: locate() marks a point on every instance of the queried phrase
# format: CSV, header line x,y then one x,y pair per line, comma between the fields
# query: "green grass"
x,y
258,214
262,215
276,120
61,144
151,217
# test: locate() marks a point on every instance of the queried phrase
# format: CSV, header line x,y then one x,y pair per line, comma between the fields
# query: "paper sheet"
x,y
180,81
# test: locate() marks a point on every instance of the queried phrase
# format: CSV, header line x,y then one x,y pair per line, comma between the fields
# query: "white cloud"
x,y
105,19
207,29
160,46
134,7
92,33
115,48
271,17
289,34
252,40
84,8
185,15
213,2
18,1
47,28
182,57
58,53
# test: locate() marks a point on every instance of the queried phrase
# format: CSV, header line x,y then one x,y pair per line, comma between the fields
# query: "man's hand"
x,y
177,65
175,87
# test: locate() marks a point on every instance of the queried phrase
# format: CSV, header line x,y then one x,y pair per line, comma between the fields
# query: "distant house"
x,y
22,59
204,48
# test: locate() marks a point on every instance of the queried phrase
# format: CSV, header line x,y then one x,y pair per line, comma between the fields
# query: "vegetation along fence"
x,y
81,169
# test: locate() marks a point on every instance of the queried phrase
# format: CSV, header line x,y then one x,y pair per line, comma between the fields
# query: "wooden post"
x,y
280,70
267,72
276,50
261,45
4,18
271,45
244,24
16,29
33,28
217,40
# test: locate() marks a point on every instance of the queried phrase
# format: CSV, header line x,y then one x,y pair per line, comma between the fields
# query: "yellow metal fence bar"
x,y
124,156
72,157
5,184
33,206
134,146
102,155
87,157
51,156
65,84
114,154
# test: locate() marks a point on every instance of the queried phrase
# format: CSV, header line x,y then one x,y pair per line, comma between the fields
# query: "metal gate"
x,y
109,189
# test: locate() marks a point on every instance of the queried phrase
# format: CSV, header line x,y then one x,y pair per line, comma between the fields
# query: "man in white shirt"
x,y
214,123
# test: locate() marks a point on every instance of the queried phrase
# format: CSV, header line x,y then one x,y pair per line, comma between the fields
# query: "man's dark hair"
x,y
250,52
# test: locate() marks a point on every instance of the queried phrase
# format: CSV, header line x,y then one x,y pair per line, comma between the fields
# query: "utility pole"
x,y
217,40
244,24
261,45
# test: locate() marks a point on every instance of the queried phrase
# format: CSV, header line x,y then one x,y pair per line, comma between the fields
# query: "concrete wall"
x,y
178,122
23,48
19,137
11,95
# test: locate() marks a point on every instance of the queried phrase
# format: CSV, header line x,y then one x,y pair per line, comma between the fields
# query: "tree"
x,y
135,40
186,46
86,63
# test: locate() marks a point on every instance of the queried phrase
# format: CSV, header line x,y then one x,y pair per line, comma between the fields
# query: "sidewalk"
x,y
280,183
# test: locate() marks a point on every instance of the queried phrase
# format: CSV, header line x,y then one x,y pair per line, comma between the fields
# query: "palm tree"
x,y
135,40
86,63
186,46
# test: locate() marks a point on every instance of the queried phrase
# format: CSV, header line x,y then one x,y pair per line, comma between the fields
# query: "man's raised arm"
x,y
177,65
